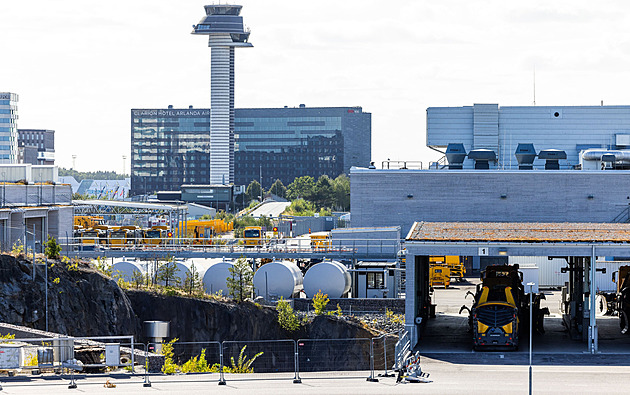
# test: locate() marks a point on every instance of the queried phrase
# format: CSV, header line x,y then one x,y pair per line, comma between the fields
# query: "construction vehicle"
x,y
154,236
88,221
202,231
320,240
622,297
439,275
500,307
123,236
253,236
454,263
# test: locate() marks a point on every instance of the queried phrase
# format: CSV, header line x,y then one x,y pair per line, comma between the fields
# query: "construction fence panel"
x,y
334,355
267,358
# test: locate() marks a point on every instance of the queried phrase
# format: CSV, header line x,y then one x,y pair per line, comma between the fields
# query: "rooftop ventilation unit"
x,y
525,155
552,156
482,158
455,154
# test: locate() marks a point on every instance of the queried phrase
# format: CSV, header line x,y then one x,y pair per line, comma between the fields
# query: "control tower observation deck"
x,y
224,26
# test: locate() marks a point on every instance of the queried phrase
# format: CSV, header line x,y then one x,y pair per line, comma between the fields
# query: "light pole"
x,y
531,293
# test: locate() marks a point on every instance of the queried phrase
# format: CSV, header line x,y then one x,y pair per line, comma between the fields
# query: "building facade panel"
x,y
400,197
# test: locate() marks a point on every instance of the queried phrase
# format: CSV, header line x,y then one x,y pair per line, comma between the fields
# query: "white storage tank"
x,y
126,269
331,277
215,277
278,279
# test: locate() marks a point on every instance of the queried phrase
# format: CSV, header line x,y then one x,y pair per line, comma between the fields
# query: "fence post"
x,y
296,378
221,376
372,378
385,356
147,382
133,351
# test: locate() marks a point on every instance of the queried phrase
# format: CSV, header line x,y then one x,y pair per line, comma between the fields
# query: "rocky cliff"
x,y
81,301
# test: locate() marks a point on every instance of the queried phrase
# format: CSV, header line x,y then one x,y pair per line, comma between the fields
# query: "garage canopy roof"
x,y
510,232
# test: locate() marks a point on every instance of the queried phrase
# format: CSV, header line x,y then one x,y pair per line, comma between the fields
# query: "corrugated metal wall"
x,y
486,126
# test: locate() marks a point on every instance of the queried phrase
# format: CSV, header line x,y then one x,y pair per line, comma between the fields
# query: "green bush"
x,y
320,301
287,319
53,249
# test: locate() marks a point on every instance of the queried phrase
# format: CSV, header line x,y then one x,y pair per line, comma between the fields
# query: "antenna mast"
x,y
534,85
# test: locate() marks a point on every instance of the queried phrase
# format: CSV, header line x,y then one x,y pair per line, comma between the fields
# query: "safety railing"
x,y
402,349
210,361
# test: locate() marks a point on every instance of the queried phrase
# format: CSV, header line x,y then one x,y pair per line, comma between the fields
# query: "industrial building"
x,y
33,206
171,147
571,129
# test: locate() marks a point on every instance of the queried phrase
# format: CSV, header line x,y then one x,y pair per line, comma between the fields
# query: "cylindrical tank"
x,y
278,279
125,269
331,277
215,277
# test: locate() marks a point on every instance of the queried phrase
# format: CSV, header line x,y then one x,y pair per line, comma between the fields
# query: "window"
x,y
375,280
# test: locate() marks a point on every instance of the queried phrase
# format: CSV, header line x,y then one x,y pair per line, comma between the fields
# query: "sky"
x,y
80,66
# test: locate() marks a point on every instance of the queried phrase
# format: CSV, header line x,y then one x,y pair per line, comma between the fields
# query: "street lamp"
x,y
531,293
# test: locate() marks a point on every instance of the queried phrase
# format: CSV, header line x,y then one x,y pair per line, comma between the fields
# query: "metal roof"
x,y
520,232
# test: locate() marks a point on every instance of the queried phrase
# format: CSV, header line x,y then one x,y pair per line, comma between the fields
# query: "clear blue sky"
x,y
79,66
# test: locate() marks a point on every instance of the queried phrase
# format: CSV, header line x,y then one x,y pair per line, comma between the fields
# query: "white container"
x,y
126,270
215,277
15,173
331,277
11,356
278,279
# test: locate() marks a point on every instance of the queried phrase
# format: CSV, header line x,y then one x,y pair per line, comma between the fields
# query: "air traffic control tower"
x,y
224,26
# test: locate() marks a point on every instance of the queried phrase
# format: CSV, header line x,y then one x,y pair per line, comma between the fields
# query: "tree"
x,y
192,282
301,187
278,189
167,273
300,208
240,283
254,190
323,192
53,249
341,193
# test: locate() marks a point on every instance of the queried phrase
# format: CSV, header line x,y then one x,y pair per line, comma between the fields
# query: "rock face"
x,y
81,301
195,320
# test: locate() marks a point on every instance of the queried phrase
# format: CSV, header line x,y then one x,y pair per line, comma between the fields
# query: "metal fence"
x,y
211,361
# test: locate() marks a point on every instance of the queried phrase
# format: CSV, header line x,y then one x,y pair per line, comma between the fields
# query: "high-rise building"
x,y
8,127
41,141
170,147
224,27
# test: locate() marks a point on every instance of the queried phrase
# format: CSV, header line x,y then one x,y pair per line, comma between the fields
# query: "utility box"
x,y
112,354
11,356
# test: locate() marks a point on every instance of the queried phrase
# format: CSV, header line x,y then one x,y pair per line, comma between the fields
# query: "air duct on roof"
x,y
552,156
455,154
482,158
525,155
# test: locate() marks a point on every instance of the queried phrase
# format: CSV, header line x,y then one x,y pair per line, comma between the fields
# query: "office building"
x,y
285,143
171,147
224,27
39,141
8,127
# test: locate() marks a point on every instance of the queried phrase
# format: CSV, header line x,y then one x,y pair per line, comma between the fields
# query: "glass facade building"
x,y
8,127
171,147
